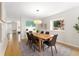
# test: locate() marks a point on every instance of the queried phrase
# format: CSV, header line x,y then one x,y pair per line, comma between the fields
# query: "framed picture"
x,y
58,24
43,25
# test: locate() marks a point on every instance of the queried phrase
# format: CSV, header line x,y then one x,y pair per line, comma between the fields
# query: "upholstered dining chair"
x,y
42,32
29,39
51,43
47,32
34,42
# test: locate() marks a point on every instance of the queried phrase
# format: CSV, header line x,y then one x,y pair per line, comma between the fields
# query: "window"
x,y
30,25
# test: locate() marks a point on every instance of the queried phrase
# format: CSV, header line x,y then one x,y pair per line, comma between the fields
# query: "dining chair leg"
x,y
55,49
33,47
27,42
30,44
43,47
52,50
40,46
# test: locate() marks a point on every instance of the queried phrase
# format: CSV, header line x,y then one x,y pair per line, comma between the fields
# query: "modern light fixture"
x,y
37,21
37,10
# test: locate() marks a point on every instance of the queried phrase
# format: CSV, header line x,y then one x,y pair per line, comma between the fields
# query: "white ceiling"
x,y
28,9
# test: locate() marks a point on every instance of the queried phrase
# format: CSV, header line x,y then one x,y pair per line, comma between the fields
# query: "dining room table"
x,y
42,37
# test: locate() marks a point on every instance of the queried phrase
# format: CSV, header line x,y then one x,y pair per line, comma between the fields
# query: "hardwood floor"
x,y
75,52
13,48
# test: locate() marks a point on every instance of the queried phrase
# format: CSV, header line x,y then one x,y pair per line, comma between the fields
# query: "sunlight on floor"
x,y
19,38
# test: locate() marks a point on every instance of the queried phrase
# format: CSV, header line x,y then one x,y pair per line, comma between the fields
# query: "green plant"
x,y
76,26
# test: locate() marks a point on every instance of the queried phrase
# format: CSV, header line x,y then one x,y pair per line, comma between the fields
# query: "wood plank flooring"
x,y
75,52
13,48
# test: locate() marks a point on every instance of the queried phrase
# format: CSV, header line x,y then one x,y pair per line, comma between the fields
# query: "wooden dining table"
x,y
42,37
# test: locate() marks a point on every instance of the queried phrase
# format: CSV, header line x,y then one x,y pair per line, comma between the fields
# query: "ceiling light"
x,y
37,21
37,10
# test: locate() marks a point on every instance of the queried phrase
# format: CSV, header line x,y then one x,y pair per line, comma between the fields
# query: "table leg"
x,y
40,45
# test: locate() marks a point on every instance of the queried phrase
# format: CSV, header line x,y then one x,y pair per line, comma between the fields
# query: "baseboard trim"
x,y
68,45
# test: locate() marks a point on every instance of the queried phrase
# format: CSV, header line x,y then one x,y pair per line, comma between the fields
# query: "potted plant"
x,y
76,26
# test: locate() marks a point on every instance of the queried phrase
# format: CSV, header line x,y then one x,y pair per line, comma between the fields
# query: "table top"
x,y
43,36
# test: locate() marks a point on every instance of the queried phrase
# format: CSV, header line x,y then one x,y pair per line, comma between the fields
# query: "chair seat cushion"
x,y
47,43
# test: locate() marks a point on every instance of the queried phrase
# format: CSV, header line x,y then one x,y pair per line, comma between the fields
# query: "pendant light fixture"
x,y
37,21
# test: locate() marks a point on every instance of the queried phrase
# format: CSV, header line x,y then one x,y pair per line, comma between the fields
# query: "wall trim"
x,y
68,44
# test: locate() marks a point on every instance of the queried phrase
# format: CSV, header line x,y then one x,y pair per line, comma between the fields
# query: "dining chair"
x,y
51,43
34,41
37,31
47,32
26,29
29,39
30,32
46,39
42,32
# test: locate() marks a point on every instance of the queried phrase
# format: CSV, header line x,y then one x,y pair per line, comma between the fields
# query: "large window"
x,y
30,25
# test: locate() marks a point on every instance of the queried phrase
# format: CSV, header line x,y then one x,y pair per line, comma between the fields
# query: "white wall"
x,y
69,35
3,43
22,24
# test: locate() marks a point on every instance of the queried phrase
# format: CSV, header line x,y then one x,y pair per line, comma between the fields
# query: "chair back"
x,y
30,32
47,32
53,41
26,29
33,38
37,31
28,35
42,32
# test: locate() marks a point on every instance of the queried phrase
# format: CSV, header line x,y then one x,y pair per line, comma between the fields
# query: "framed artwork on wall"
x,y
43,26
57,24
